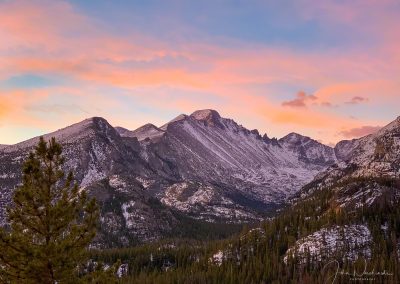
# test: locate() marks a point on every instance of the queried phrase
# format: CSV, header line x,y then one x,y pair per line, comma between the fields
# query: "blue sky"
x,y
278,66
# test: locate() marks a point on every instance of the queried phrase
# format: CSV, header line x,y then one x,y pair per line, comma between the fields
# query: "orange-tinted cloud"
x,y
57,40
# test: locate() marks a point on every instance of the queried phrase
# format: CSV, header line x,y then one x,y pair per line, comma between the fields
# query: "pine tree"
x,y
51,223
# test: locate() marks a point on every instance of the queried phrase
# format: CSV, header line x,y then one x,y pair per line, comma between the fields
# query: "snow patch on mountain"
x,y
174,196
7,175
93,174
118,183
204,202
218,258
128,211
349,241
145,182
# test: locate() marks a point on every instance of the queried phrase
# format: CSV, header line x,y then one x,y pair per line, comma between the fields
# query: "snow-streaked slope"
x,y
203,165
71,134
93,150
367,171
148,131
241,163
205,202
377,153
309,150
109,168
344,149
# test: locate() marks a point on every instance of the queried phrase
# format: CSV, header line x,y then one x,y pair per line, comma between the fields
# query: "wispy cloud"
x,y
98,69
357,100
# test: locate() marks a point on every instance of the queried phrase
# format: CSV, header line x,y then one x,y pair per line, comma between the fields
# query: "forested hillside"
x,y
281,250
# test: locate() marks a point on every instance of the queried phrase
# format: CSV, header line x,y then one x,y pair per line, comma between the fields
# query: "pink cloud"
x,y
357,100
300,101
327,104
38,40
359,131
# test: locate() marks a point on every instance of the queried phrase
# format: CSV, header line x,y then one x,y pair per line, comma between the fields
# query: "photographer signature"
x,y
355,275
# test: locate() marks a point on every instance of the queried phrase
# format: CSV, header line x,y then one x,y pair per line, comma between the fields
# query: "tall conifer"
x,y
51,223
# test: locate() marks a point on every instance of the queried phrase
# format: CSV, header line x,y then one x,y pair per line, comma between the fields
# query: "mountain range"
x,y
203,168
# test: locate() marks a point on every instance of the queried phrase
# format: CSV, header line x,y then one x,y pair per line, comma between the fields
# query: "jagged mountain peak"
x,y
375,156
294,137
176,119
205,114
308,149
345,148
147,126
393,126
365,146
102,124
147,131
94,123
86,128
209,116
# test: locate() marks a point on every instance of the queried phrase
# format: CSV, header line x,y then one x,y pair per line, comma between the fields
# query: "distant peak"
x,y
396,121
101,123
94,119
87,128
88,122
208,116
178,118
147,131
295,136
147,126
205,114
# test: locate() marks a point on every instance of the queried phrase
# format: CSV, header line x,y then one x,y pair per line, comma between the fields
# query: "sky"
x,y
327,69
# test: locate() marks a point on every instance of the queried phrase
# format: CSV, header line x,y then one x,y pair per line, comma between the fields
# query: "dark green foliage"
x,y
201,230
252,256
51,223
257,256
